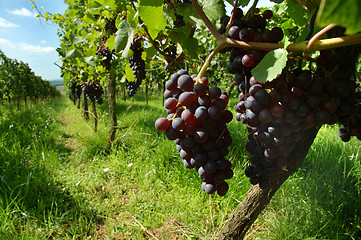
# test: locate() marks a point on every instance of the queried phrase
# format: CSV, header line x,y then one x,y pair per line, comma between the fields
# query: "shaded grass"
x,y
322,200
63,186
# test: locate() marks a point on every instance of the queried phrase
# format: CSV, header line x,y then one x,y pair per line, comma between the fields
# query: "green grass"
x,y
56,181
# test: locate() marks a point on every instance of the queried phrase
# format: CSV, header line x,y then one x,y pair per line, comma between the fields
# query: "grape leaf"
x,y
214,9
151,12
122,36
183,36
271,65
346,13
243,3
296,12
74,53
110,42
132,17
90,60
110,3
189,13
129,75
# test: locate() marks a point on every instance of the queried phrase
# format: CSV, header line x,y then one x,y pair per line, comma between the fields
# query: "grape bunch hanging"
x,y
107,55
75,89
137,64
278,112
197,122
93,91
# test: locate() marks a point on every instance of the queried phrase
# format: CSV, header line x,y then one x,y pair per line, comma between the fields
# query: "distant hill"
x,y
59,84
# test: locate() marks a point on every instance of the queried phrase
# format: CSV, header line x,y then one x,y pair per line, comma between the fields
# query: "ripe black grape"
x,y
197,124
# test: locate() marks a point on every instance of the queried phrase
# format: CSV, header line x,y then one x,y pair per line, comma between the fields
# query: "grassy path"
x,y
57,183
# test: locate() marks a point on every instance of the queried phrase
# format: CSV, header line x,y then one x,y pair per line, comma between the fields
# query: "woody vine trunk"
x,y
112,111
256,200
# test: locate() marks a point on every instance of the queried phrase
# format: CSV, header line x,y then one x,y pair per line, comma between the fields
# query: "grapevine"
x,y
138,66
93,91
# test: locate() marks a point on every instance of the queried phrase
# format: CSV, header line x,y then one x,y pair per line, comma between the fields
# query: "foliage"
x,y
18,81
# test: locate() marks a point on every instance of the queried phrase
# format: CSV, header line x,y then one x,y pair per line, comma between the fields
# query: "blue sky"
x,y
28,39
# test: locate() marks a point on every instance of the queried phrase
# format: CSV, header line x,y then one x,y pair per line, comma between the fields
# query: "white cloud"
x,y
6,23
22,12
42,41
36,49
26,47
6,43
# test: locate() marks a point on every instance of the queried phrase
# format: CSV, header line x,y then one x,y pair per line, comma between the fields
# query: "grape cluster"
x,y
352,128
196,122
107,56
278,112
93,91
137,64
110,26
75,89
250,30
179,22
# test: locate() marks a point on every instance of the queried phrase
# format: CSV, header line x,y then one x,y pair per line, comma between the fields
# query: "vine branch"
x,y
318,35
313,45
207,22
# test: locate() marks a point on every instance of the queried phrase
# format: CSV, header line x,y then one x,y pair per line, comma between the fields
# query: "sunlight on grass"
x,y
57,182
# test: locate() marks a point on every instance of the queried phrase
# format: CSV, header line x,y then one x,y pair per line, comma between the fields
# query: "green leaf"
x,y
109,3
132,17
271,65
92,5
90,60
129,73
111,42
244,3
189,13
214,9
150,52
123,79
122,36
346,13
151,12
183,36
296,12
73,53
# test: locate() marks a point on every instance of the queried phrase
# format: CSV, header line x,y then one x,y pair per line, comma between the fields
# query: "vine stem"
x,y
295,47
318,35
298,47
317,45
207,63
232,17
207,22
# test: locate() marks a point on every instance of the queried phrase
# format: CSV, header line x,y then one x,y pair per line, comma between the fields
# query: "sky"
x,y
26,38
32,40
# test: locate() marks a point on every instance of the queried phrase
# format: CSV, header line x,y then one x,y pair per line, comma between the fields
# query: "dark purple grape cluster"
x,y
107,56
75,89
249,30
352,128
196,122
110,26
278,112
179,22
93,91
137,64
